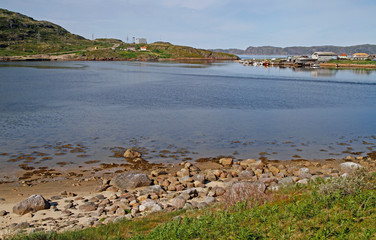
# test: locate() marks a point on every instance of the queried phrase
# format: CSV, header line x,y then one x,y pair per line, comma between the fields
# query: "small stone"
x,y
122,218
286,181
180,187
303,181
112,189
226,161
200,178
119,212
350,158
258,172
171,188
209,199
245,175
183,172
186,179
102,188
177,202
219,191
88,207
187,165
143,197
3,213
274,170
131,154
202,205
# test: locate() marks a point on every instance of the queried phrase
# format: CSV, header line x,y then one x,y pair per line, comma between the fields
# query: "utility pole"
x,y
38,37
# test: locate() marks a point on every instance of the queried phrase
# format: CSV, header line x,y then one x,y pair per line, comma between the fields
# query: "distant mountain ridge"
x,y
270,50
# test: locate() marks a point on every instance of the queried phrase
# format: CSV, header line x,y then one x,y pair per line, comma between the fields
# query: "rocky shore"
x,y
68,201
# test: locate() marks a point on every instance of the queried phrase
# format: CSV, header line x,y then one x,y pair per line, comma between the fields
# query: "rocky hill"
x,y
270,50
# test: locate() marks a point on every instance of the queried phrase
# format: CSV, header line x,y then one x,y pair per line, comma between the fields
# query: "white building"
x,y
141,40
360,56
324,56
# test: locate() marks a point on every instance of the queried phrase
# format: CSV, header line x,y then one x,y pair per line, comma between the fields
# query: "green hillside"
x,y
21,35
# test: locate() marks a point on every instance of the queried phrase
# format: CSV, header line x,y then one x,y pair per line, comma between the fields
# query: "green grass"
x,y
337,209
353,62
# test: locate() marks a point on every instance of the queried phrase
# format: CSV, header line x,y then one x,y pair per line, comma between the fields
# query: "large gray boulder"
x,y
177,202
349,166
31,204
131,180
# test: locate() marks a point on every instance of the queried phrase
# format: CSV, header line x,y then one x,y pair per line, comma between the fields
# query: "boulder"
x,y
150,206
246,175
349,166
226,161
131,180
88,207
286,181
131,154
157,189
31,204
177,202
304,173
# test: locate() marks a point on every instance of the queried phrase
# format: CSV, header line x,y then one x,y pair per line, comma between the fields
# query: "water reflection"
x,y
45,65
363,71
317,72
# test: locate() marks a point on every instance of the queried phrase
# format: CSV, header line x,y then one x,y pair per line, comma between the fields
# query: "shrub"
x,y
356,181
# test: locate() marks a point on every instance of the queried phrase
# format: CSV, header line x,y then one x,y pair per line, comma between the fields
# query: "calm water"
x,y
203,110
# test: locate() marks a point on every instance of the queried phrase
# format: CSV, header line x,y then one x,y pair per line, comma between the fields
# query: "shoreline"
x,y
71,57
81,186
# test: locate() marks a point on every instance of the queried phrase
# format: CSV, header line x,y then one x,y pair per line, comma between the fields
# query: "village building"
x,y
141,41
143,49
131,49
360,56
324,56
343,57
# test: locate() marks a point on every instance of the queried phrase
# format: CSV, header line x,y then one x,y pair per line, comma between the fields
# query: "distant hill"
x,y
270,50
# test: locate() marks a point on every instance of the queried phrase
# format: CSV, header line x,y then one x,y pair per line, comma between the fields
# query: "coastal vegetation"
x,y
336,208
360,62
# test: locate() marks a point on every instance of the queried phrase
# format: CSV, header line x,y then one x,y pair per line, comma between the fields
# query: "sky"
x,y
211,24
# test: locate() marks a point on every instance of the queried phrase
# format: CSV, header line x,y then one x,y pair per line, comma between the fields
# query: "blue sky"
x,y
212,23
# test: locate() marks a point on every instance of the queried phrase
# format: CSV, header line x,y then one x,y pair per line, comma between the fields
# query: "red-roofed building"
x,y
342,57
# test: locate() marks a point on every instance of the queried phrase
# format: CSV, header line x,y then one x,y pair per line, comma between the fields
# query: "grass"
x,y
353,62
334,209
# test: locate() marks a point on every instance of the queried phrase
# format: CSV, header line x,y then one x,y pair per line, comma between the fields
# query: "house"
x,y
143,49
342,57
324,56
360,56
131,49
141,40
